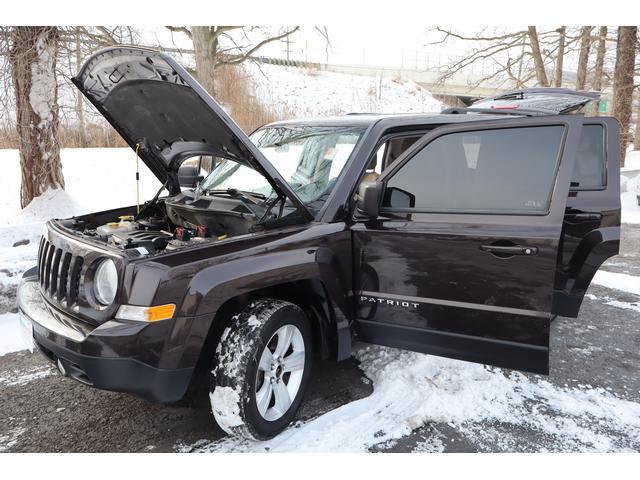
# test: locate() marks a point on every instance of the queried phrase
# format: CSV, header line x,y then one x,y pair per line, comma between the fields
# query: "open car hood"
x,y
550,101
163,112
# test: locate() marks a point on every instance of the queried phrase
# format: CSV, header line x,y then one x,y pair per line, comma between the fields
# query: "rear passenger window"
x,y
509,170
589,171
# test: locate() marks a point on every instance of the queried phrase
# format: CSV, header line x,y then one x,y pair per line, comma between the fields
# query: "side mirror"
x,y
189,176
369,199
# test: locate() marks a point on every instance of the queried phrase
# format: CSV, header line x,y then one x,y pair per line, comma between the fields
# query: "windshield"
x,y
309,158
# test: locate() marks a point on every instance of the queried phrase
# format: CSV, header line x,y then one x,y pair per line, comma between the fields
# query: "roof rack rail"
x,y
497,111
519,94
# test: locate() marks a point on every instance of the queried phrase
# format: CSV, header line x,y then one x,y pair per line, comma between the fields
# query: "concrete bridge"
x,y
458,90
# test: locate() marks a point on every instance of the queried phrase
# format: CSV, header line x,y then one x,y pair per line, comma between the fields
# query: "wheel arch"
x,y
310,294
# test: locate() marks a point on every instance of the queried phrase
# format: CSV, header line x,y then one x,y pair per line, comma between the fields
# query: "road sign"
x,y
602,106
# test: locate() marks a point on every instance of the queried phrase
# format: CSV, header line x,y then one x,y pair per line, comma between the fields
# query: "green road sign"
x,y
602,106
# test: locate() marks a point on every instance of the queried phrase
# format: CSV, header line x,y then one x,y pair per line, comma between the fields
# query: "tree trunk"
x,y
541,74
33,70
636,138
623,83
79,107
205,46
583,58
562,32
599,71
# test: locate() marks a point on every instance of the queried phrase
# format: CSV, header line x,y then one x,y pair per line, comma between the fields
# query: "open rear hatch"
x,y
549,101
164,113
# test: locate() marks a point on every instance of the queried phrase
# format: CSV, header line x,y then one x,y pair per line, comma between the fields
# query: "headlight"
x,y
105,282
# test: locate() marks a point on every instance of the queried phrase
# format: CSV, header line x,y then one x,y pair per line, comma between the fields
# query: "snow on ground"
x,y
631,161
96,179
624,305
316,92
630,207
12,338
22,377
618,281
630,188
411,389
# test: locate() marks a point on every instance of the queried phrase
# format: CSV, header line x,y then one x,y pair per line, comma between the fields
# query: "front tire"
x,y
261,369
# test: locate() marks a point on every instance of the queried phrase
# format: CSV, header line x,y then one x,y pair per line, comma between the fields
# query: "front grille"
x,y
59,273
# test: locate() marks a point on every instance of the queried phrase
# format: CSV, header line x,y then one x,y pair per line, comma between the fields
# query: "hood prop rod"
x,y
137,179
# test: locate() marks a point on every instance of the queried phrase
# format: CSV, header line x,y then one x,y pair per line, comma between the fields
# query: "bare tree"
x,y
78,42
562,35
520,57
33,70
541,74
216,46
599,70
583,58
636,136
623,83
79,100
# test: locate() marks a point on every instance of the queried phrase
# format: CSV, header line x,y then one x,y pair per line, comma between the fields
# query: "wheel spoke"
x,y
283,401
293,362
284,340
266,360
263,396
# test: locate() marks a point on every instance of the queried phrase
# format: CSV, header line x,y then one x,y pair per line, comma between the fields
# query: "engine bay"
x,y
172,223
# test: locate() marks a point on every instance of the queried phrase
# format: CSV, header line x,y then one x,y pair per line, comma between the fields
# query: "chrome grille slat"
x,y
74,280
55,267
47,266
63,276
43,248
39,257
59,273
43,256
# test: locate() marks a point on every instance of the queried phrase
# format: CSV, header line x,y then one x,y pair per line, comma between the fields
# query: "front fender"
x,y
214,285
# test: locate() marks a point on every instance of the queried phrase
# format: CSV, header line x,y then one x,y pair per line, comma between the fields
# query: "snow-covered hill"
x,y
316,93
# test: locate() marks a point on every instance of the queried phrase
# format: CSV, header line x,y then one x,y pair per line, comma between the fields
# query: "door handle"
x,y
509,250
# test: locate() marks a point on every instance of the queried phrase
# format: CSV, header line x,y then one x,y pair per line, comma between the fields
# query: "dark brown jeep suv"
x,y
461,234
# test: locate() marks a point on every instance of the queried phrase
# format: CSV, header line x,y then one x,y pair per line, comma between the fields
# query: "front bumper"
x,y
109,357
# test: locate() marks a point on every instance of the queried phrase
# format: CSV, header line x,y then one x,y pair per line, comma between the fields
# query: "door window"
x,y
508,170
589,171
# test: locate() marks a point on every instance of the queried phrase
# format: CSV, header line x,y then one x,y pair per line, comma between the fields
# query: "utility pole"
x,y
287,41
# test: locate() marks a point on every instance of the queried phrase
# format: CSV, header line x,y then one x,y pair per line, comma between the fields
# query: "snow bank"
x,y
96,179
54,203
11,337
320,93
411,389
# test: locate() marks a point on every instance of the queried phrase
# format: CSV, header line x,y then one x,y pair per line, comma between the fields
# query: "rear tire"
x,y
261,369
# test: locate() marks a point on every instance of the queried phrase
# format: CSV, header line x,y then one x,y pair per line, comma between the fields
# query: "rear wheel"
x,y
261,369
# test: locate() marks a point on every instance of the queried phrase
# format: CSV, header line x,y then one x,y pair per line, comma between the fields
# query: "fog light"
x,y
146,314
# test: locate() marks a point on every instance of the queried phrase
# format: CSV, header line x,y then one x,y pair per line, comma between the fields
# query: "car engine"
x,y
169,224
